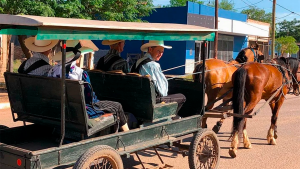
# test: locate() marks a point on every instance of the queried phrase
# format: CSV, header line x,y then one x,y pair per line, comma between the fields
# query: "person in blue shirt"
x,y
148,65
94,107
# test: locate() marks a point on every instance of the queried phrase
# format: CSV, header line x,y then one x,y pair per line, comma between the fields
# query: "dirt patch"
x,y
3,96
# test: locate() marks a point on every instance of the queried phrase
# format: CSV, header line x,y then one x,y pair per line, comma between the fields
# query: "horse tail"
x,y
198,76
238,98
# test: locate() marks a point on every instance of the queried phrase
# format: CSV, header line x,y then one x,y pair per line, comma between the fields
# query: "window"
x,y
225,48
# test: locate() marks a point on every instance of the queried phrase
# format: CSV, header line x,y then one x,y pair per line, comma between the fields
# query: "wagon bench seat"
x,y
135,93
37,99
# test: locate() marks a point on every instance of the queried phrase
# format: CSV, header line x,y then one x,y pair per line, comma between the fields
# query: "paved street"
x,y
262,156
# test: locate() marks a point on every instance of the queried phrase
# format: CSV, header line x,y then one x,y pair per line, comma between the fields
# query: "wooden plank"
x,y
239,115
75,24
224,108
91,61
11,59
215,115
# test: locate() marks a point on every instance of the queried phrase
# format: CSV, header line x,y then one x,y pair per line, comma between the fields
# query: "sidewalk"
x,y
4,102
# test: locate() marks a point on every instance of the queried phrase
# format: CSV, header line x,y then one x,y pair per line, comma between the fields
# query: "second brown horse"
x,y
253,82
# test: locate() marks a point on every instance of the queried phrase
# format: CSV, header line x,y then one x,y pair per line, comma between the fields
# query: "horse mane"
x,y
241,57
293,65
282,62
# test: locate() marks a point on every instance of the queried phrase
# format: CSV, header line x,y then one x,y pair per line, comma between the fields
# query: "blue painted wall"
x,y
196,8
171,57
168,15
190,50
239,42
174,57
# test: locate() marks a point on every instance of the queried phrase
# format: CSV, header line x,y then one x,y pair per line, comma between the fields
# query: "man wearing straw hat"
x,y
95,108
38,64
147,65
112,60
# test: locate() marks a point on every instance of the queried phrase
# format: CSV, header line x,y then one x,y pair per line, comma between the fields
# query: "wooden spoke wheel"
x,y
204,150
100,157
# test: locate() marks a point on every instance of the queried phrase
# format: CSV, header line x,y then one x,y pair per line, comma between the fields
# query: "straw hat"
x,y
85,46
111,42
39,45
152,43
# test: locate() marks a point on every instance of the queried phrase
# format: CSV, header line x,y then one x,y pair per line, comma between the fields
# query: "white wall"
x,y
244,28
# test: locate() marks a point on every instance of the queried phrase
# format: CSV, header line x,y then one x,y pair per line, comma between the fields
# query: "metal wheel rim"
x,y
103,162
207,153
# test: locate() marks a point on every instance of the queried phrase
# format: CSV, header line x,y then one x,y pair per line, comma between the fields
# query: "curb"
x,y
4,105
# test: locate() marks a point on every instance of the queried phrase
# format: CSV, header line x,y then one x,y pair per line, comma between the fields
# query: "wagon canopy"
x,y
78,29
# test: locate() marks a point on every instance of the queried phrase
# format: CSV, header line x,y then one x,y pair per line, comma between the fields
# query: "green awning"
x,y
45,34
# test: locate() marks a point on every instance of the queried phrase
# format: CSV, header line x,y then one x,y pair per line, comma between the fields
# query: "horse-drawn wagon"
x,y
57,132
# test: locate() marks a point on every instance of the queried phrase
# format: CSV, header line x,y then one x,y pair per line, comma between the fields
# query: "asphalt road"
x,y
285,154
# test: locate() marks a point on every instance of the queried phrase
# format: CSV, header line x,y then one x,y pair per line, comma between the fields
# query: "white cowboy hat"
x,y
39,45
152,43
86,46
111,42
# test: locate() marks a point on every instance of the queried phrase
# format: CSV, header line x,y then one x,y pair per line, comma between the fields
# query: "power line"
x,y
284,16
250,5
286,9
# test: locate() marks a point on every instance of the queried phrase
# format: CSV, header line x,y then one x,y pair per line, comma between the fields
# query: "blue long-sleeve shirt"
x,y
153,69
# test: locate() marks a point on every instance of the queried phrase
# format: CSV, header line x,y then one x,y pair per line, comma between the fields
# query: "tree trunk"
x,y
26,52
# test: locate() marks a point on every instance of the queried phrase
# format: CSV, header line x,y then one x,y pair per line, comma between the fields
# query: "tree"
x,y
258,14
286,44
289,28
114,10
223,4
176,3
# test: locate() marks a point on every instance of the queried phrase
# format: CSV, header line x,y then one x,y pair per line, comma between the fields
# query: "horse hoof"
x,y
272,141
248,146
232,153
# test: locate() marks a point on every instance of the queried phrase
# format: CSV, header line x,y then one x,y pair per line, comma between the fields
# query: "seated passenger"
x,y
112,60
95,108
147,66
38,64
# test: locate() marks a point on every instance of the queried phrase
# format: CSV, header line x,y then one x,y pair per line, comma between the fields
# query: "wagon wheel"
x,y
204,150
100,157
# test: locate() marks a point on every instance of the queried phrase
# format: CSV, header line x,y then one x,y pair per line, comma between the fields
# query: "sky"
x,y
292,5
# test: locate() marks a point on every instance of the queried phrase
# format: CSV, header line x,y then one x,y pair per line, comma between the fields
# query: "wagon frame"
x,y
157,129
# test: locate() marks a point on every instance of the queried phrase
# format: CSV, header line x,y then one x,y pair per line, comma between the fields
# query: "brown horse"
x,y
218,74
253,82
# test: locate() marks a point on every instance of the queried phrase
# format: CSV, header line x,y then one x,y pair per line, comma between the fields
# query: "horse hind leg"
x,y
247,143
211,97
234,145
272,132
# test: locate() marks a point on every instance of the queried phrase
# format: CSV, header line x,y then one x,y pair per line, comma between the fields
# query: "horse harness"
x,y
255,54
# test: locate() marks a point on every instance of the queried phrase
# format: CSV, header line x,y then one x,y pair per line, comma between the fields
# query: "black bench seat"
x,y
37,99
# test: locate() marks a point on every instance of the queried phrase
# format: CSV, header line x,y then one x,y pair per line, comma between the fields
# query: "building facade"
x,y
235,32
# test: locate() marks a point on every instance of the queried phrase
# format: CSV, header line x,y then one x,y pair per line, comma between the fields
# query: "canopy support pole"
x,y
63,91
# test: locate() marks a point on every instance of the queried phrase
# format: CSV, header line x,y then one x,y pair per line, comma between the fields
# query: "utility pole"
x,y
216,27
273,30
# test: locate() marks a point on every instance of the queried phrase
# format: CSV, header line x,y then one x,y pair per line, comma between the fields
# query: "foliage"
x,y
113,10
116,10
286,44
176,3
223,4
258,14
289,28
